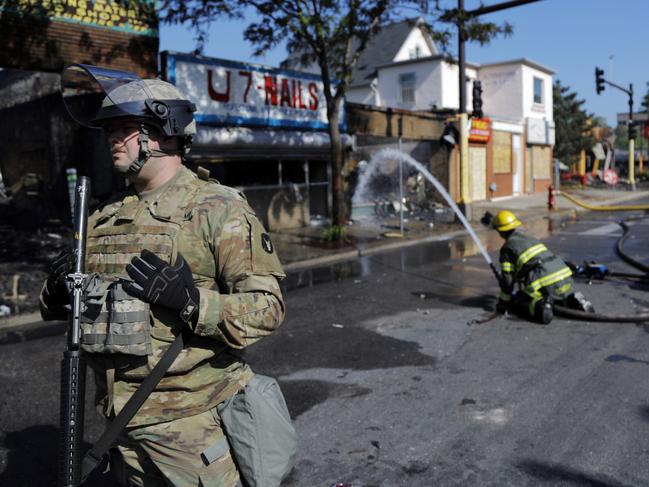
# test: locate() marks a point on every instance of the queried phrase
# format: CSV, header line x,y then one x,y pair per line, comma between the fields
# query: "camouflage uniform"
x,y
236,271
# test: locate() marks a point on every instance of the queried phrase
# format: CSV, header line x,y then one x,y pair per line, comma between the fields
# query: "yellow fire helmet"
x,y
505,220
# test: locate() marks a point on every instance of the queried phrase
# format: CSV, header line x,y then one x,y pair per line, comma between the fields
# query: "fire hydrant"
x,y
552,199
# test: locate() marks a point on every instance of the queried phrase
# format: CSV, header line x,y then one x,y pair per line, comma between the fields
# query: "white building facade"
x,y
402,69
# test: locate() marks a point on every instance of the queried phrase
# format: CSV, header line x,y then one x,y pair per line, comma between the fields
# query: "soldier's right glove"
x,y
157,282
57,288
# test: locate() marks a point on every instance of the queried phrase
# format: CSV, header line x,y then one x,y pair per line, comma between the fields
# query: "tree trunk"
x,y
339,210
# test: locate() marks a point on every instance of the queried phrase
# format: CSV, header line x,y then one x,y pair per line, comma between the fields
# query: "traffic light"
x,y
599,80
477,98
633,131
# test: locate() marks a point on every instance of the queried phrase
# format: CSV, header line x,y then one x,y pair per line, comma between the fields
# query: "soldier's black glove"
x,y
56,286
157,282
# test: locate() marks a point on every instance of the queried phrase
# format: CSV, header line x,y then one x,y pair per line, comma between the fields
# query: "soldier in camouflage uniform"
x,y
542,277
191,251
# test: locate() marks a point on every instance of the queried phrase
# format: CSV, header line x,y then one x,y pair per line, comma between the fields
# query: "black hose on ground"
x,y
619,247
628,275
583,315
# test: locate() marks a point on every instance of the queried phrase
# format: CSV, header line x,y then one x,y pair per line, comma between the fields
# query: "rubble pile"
x,y
25,257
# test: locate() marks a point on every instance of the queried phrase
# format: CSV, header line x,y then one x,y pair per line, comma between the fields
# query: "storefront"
x,y
479,137
538,154
263,131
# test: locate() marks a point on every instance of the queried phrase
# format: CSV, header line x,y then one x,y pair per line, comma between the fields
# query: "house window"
x,y
415,53
407,84
538,90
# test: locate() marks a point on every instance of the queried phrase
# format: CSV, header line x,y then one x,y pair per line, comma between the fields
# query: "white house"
x,y
402,68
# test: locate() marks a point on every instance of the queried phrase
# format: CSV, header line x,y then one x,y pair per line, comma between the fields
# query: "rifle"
x,y
73,365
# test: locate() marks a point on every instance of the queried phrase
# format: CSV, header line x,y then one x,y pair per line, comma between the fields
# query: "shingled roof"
x,y
381,50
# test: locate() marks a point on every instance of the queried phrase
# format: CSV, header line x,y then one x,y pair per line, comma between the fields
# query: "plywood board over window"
x,y
540,162
478,164
502,152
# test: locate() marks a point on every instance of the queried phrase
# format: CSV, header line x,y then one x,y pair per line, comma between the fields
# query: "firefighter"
x,y
532,277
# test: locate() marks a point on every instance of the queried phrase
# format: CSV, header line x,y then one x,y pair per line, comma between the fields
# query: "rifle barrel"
x,y
73,365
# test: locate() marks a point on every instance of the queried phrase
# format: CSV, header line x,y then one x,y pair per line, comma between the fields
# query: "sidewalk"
x,y
303,248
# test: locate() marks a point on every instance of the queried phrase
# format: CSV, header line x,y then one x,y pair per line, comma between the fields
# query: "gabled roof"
x,y
380,50
383,48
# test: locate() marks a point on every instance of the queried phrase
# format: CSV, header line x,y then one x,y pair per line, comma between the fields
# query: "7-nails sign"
x,y
234,93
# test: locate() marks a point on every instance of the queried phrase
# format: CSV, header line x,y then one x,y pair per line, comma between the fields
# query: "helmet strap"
x,y
146,152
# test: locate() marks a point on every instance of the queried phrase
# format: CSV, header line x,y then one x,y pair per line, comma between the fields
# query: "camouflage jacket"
x,y
235,269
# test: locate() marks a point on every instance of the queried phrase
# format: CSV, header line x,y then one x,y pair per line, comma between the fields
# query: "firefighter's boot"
x,y
543,311
579,302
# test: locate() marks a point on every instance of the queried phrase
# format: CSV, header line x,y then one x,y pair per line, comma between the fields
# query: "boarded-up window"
x,y
540,162
478,170
502,152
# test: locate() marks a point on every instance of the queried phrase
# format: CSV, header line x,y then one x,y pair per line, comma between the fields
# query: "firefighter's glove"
x,y
57,286
502,306
157,282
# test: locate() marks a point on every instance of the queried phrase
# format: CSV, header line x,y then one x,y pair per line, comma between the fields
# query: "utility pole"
x,y
465,170
600,81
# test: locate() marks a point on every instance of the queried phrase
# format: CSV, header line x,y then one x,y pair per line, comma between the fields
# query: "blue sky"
x,y
569,36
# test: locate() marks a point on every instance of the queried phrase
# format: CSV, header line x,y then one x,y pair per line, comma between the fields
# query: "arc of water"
x,y
387,154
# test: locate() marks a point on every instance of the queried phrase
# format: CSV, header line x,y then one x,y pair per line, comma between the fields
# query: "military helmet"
x,y
505,220
150,101
94,96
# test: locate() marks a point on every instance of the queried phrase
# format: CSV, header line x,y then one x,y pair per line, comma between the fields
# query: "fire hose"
x,y
578,202
596,271
619,247
582,315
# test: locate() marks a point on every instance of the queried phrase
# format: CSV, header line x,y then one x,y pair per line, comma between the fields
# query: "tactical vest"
x,y
206,372
114,321
119,232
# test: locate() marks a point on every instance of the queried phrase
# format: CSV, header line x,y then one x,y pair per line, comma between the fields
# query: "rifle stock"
x,y
73,366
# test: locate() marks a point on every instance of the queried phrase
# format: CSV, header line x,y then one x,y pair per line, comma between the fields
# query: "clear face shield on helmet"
x,y
94,95
86,89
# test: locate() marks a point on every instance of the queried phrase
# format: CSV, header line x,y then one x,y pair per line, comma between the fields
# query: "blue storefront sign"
x,y
244,94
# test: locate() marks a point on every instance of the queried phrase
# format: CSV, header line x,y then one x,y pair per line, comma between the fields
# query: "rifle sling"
x,y
95,455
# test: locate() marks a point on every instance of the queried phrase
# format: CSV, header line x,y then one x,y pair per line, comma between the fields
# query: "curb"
x,y
302,265
31,330
30,326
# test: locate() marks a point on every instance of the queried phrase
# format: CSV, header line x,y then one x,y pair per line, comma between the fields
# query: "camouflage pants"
x,y
169,454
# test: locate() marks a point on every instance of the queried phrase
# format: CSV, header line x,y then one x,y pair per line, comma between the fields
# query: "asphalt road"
x,y
389,385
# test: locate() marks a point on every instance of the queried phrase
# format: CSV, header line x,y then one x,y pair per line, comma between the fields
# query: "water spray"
x,y
393,154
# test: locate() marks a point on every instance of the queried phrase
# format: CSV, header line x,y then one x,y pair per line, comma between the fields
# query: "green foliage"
x,y
335,233
622,137
572,124
332,34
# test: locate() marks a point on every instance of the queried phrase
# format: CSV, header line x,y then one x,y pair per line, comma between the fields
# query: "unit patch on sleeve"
x,y
266,243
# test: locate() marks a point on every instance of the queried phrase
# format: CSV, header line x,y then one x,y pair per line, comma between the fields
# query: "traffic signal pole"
x,y
465,174
465,170
631,132
599,87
